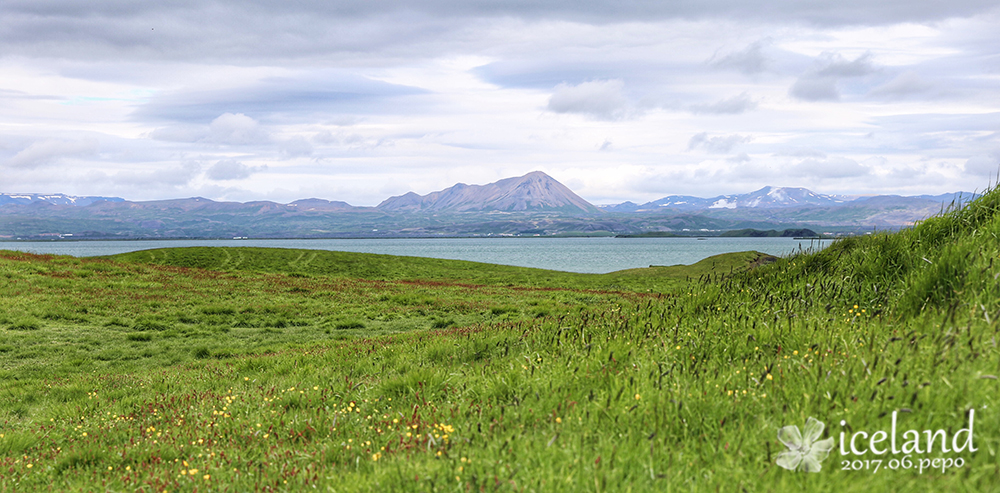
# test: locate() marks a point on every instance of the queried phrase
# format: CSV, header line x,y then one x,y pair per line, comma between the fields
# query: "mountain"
x,y
535,191
787,198
52,198
533,204
765,198
323,205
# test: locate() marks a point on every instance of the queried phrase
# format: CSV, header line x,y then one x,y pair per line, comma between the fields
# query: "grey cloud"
x,y
838,66
51,150
318,94
735,105
821,82
813,88
230,169
719,144
602,99
750,60
229,29
831,167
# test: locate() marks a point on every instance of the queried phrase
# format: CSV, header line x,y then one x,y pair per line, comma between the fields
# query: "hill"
x,y
270,370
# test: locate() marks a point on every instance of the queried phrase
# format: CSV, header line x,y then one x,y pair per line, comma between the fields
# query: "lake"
x,y
593,255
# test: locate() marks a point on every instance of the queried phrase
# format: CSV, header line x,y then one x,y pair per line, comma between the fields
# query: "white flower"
x,y
804,452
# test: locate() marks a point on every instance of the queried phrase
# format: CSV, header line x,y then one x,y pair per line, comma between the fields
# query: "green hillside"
x,y
283,370
394,268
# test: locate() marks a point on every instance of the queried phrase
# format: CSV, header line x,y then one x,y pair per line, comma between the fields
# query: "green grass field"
x,y
287,370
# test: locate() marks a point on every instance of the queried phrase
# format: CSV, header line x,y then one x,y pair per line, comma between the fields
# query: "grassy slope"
x,y
678,392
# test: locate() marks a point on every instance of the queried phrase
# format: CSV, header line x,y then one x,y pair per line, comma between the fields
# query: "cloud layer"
x,y
358,101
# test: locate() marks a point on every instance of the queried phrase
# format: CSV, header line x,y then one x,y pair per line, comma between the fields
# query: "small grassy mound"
x,y
372,266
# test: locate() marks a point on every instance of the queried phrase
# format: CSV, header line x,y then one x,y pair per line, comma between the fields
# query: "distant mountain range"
x,y
535,191
533,204
52,198
775,198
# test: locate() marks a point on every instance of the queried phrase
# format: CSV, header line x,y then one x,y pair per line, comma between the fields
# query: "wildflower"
x,y
804,451
769,377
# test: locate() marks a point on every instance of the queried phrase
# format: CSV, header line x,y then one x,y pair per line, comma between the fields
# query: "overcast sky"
x,y
619,100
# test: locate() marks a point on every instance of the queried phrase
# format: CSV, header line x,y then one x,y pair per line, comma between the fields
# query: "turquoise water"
x,y
594,255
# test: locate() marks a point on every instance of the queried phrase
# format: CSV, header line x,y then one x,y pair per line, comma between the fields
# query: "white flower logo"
x,y
804,452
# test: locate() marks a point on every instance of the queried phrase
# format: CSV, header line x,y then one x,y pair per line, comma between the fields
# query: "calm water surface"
x,y
594,255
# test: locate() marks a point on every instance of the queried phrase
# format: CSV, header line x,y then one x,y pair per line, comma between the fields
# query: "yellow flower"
x,y
205,477
558,420
638,397
769,377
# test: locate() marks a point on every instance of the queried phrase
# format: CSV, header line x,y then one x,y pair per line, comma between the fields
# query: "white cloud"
x,y
831,167
720,144
230,169
741,103
906,84
295,147
237,129
983,165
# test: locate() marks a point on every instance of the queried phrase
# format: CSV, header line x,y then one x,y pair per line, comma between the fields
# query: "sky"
x,y
619,100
